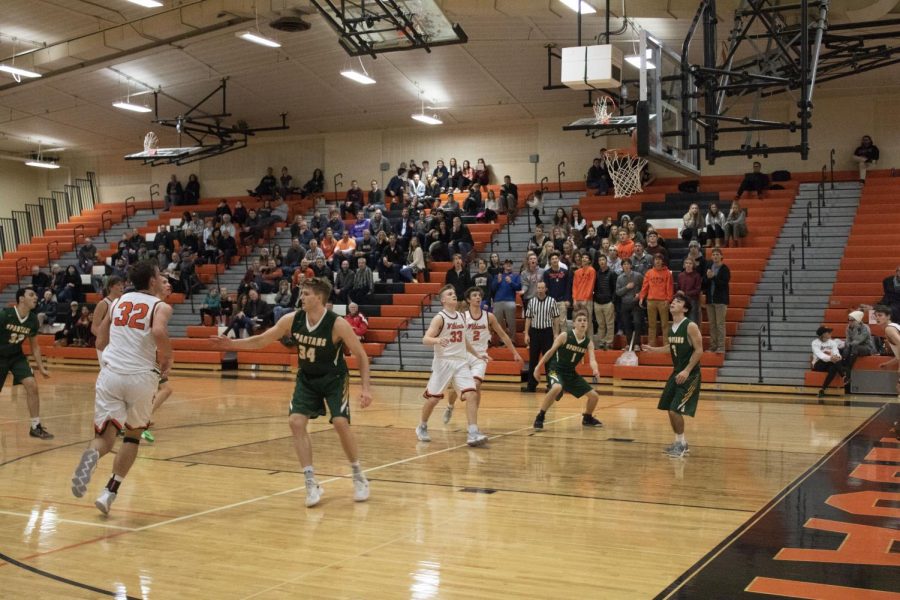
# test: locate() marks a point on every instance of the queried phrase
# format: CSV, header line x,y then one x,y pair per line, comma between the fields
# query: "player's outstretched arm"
x,y
649,348
592,358
504,337
346,335
557,344
160,331
434,330
281,329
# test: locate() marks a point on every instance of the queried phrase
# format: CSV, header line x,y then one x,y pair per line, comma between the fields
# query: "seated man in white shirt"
x,y
827,357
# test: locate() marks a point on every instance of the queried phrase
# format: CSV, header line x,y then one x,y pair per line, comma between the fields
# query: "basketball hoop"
x,y
625,171
604,108
151,143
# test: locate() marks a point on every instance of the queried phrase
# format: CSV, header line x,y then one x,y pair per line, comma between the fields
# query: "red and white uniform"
x,y
479,333
450,365
129,376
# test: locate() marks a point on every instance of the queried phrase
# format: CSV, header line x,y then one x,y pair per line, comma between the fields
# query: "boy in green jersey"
x,y
682,390
18,323
567,352
322,377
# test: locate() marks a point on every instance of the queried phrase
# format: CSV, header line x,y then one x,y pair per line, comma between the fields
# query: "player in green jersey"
x,y
322,377
682,390
565,354
18,323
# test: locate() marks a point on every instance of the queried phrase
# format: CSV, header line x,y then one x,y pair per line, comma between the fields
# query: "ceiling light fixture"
x,y
586,9
147,3
635,59
420,116
128,105
17,71
258,38
359,77
39,162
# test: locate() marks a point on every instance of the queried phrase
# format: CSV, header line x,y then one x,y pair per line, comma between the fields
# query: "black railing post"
x,y
791,261
400,347
759,348
154,193
804,236
784,295
134,206
770,311
560,173
832,168
337,180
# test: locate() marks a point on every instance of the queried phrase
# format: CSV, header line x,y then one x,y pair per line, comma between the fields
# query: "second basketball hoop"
x,y
604,109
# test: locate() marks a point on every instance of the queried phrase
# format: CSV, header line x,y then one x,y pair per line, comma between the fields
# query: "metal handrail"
x,y
336,183
770,312
760,344
75,234
544,188
400,347
133,206
804,239
154,193
104,221
832,168
784,288
559,175
422,303
791,261
49,255
23,263
820,200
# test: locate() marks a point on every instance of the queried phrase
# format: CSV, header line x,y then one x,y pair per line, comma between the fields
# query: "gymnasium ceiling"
x,y
496,77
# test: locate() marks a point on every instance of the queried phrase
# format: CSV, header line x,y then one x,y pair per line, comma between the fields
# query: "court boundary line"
x,y
332,479
59,578
70,521
669,591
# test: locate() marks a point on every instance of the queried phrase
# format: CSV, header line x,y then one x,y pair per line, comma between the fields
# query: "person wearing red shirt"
x,y
583,287
625,246
356,320
690,282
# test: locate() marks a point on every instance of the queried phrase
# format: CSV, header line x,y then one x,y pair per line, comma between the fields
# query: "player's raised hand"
x,y
220,342
44,372
365,398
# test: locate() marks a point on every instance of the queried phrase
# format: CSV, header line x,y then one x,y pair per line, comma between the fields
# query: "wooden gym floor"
x,y
214,509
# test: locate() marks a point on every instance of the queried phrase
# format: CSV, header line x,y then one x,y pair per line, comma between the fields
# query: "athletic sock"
x,y
357,470
424,424
679,437
542,414
309,474
473,428
114,482
35,422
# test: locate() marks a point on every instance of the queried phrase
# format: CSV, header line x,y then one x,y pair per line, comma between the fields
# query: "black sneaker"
x,y
539,422
590,421
40,432
821,393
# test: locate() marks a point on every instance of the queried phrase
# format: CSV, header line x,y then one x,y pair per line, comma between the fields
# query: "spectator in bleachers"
x,y
624,246
441,174
284,300
239,216
503,290
757,182
378,224
439,242
715,226
396,187
656,293
473,204
174,193
404,228
415,261
357,321
211,253
482,172
381,242
459,277
641,261
530,276
71,289
718,277
536,243
391,260
591,242
228,226
615,263
343,282
546,252
363,282
212,306
279,212
359,228
344,248
491,209
584,277
376,199
696,253
66,335
735,225
304,235
578,222
82,337
222,208
46,309
654,247
277,255
690,283
482,280
568,255
451,207
250,315
317,224
598,178
266,186
634,234
208,227
433,190
827,357
509,195
328,245
366,247
631,316
292,257
192,191
165,237
693,225
453,175
494,264
228,248
40,281
353,201
866,154
559,238
559,286
412,169
891,297
461,241
859,340
87,256
314,251
315,185
335,222
466,176
416,192
605,290
286,183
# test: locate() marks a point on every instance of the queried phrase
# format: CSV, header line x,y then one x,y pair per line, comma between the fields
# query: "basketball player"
x,y
323,380
479,324
17,323
564,355
132,335
163,391
682,390
892,337
114,289
447,334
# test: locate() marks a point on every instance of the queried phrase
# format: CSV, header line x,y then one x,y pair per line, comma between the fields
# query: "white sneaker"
x,y
105,501
476,438
448,413
313,494
422,433
360,489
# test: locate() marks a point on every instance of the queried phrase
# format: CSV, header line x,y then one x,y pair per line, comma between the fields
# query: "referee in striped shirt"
x,y
541,325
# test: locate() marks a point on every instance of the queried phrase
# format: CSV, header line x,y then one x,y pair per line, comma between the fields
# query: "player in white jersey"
x,y
479,324
133,335
447,334
164,390
114,288
892,336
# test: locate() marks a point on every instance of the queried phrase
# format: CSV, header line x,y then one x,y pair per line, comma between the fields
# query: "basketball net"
x,y
151,143
625,171
604,108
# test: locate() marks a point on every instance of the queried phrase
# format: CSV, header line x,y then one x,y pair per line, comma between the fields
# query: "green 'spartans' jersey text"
x,y
680,346
317,353
14,331
571,353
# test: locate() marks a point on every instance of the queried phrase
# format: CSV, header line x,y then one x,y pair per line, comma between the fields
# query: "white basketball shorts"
x,y
126,400
446,372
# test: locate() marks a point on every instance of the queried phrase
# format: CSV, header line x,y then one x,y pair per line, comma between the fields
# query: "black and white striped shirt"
x,y
542,312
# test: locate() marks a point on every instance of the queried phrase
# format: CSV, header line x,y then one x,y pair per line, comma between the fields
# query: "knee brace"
x,y
131,440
